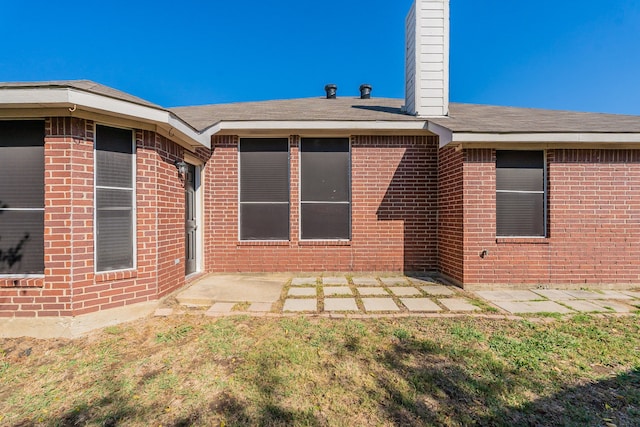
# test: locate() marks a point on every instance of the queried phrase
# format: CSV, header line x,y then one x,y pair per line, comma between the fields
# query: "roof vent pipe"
x,y
331,90
365,91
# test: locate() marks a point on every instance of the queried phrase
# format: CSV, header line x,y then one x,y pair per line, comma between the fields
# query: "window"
x,y
114,199
264,189
325,189
520,194
21,197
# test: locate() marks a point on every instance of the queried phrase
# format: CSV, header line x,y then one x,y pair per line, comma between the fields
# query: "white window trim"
x,y
134,214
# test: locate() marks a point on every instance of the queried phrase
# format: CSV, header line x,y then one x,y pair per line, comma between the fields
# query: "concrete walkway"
x,y
384,296
563,301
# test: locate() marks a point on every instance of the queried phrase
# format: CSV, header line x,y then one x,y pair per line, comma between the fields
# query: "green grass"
x,y
175,334
191,370
483,306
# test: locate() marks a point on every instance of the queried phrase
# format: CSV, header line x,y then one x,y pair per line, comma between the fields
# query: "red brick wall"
x,y
593,222
68,172
394,204
169,213
70,286
450,219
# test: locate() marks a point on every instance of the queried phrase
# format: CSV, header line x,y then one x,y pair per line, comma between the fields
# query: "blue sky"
x,y
570,54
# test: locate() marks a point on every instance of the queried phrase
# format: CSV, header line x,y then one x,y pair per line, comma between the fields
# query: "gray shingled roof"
x,y
462,117
305,109
84,85
492,119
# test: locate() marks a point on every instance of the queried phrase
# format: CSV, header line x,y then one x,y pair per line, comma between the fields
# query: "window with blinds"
x,y
22,197
520,194
264,189
325,198
114,181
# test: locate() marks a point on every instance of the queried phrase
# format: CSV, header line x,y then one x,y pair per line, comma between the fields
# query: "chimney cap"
x,y
331,90
365,91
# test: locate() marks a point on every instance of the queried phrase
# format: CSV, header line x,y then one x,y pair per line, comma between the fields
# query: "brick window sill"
x,y
324,243
9,282
110,276
522,240
264,243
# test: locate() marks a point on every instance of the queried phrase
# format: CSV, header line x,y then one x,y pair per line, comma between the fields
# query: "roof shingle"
x,y
463,118
304,109
494,119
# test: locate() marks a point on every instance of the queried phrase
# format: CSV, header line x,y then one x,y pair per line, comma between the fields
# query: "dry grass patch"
x,y
192,370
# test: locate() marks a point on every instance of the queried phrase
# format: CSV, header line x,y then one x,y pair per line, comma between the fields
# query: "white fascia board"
x,y
117,106
33,97
446,136
160,117
487,138
417,125
187,132
73,98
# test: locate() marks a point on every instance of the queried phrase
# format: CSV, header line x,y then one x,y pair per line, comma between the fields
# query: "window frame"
x,y
240,202
349,186
43,210
134,198
544,192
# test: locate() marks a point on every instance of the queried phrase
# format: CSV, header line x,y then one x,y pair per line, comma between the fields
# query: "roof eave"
x,y
566,138
47,98
316,126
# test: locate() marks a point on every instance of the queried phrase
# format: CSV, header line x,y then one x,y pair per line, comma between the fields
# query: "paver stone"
x,y
340,304
420,304
299,304
583,306
260,307
302,292
404,291
221,307
458,304
438,290
532,307
380,304
508,295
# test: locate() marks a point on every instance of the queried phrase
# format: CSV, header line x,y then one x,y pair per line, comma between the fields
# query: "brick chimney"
x,y
427,59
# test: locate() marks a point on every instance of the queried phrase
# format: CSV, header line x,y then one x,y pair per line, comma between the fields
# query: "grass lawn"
x,y
191,370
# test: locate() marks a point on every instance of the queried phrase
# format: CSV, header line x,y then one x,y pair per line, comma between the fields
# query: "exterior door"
x,y
191,224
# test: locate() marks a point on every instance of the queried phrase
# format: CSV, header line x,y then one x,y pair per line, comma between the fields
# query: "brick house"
x,y
109,202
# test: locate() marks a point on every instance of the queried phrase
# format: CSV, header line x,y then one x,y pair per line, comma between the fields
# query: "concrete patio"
x,y
381,295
